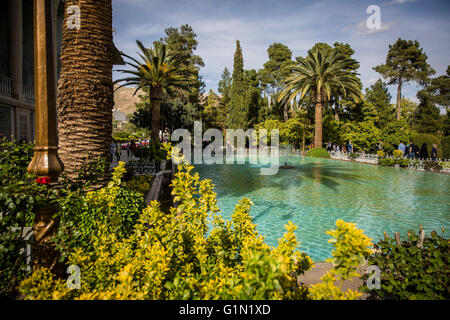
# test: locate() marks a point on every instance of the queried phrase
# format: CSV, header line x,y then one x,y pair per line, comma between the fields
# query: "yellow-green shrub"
x,y
171,255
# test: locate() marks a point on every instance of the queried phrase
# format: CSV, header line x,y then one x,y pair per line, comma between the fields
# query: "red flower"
x,y
43,180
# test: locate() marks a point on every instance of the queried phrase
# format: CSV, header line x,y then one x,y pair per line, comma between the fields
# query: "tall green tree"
x,y
320,75
405,61
275,70
426,119
379,96
182,43
237,117
156,72
253,96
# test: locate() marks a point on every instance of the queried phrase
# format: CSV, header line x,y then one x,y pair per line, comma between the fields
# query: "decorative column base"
x,y
44,251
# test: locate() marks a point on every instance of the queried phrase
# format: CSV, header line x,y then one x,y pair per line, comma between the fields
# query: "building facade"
x,y
17,65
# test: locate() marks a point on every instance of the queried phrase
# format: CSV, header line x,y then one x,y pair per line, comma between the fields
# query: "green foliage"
x,y
446,147
237,117
426,118
398,154
351,250
141,184
275,69
405,61
363,135
393,133
410,272
318,153
20,196
150,152
429,139
379,96
174,255
430,165
115,207
290,131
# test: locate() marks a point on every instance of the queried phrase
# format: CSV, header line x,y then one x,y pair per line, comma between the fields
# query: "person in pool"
x,y
286,166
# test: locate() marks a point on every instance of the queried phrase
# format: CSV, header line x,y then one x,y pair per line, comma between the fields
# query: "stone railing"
x,y
5,86
414,164
361,157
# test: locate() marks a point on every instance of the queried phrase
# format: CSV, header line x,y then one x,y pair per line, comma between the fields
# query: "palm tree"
x,y
157,73
85,88
320,75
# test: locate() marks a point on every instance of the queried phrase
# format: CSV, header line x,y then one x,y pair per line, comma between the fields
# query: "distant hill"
x,y
124,100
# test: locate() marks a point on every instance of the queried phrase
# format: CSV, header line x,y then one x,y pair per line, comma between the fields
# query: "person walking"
x,y
411,150
118,152
132,147
128,149
350,147
112,149
423,154
402,147
434,154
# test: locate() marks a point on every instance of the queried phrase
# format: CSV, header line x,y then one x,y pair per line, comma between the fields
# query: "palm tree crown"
x,y
321,75
157,72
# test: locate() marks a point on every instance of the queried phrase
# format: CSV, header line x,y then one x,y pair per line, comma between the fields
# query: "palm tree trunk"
x,y
399,98
318,126
85,89
155,98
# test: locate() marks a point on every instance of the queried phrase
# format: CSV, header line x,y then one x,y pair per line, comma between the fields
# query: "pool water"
x,y
317,192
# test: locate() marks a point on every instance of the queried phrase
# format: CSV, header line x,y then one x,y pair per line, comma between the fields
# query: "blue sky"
x,y
297,24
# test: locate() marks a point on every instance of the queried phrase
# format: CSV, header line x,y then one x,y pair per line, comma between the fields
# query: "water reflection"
x,y
317,192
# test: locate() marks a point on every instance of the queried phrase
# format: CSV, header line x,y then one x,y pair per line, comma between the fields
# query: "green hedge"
x,y
318,153
412,272
429,139
446,147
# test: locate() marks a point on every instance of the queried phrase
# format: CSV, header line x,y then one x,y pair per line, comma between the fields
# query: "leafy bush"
x,y
410,272
398,154
20,195
430,165
114,206
429,139
387,162
318,153
351,251
173,255
150,152
446,147
353,156
141,184
381,153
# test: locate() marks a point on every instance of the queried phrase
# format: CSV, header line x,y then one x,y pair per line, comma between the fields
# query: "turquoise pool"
x,y
317,192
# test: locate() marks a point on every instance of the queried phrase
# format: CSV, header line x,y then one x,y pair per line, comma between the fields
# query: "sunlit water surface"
x,y
317,192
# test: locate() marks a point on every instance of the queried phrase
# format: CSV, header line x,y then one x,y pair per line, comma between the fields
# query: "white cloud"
x,y
402,1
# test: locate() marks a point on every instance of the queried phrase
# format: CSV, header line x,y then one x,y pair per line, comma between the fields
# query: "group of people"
x,y
412,151
346,148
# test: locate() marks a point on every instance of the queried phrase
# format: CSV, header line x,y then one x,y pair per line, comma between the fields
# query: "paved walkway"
x,y
313,277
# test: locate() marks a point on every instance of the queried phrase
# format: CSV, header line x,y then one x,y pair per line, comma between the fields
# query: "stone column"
x,y
15,47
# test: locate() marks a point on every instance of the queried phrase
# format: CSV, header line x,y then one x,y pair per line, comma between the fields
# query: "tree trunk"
x,y
318,126
399,98
85,89
304,140
155,98
286,111
336,111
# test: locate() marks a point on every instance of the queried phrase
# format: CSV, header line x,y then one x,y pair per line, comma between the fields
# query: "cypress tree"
x,y
237,118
